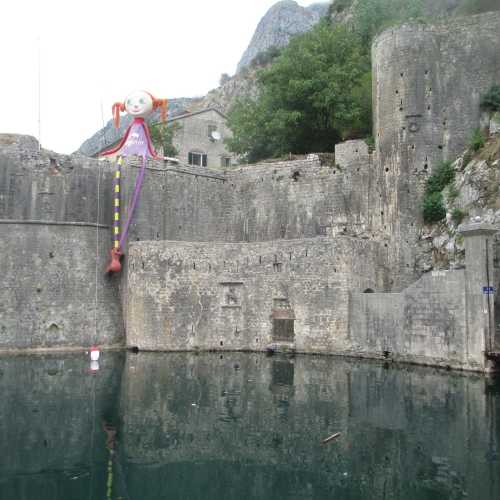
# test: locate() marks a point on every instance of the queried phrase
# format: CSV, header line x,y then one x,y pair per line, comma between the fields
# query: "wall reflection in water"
x,y
244,426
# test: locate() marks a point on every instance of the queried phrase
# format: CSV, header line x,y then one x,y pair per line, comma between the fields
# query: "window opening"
x,y
197,159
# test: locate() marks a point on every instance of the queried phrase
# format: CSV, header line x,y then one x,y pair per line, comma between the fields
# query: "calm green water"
x,y
244,426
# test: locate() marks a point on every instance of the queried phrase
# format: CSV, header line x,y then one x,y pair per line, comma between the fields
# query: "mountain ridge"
x,y
283,20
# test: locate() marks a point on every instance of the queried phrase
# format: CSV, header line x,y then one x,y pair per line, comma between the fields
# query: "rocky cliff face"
x,y
474,196
243,84
283,20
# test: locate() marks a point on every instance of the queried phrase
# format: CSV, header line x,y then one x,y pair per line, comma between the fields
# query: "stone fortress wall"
x,y
188,296
50,239
265,202
219,258
303,199
444,318
50,214
373,198
428,80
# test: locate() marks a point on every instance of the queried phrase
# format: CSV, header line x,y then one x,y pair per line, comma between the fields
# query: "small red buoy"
x,y
115,266
94,353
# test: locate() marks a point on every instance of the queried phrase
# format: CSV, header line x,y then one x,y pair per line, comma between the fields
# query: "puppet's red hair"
x,y
117,107
162,104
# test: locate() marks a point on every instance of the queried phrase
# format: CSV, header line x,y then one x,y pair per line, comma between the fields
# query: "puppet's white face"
x,y
139,104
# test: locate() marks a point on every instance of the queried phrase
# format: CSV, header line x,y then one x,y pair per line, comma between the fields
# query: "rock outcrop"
x,y
282,21
473,196
243,84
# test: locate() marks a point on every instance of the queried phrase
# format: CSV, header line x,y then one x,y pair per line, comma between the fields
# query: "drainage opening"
x,y
53,328
283,329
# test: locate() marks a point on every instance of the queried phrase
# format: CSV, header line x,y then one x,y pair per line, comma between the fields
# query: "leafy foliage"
x,y
317,92
491,100
265,57
458,215
476,141
433,208
453,193
339,6
433,202
370,142
372,16
318,89
162,136
443,175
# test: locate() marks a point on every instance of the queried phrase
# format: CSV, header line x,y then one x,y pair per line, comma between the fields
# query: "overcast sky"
x,y
97,51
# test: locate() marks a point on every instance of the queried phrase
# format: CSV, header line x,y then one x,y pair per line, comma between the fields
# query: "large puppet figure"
x,y
136,141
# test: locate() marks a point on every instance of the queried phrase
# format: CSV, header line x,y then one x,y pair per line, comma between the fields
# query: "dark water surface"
x,y
244,426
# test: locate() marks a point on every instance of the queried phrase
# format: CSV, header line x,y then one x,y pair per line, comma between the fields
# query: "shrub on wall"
x,y
453,193
491,100
433,202
476,141
433,207
443,175
458,215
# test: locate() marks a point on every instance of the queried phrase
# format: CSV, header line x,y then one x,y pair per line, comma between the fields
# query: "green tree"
x,y
317,92
338,6
162,136
265,57
491,100
372,16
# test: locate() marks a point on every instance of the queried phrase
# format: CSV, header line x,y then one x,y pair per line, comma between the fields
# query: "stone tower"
x,y
427,85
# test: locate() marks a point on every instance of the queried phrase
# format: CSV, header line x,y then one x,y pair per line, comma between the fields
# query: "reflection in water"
x,y
244,426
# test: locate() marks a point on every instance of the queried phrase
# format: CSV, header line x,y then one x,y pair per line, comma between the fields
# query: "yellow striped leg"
x,y
116,203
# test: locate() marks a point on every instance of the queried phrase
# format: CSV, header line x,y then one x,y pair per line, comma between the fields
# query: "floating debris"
x,y
331,438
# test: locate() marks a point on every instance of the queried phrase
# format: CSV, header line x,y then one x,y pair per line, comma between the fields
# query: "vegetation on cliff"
x,y
433,202
316,93
473,192
491,101
317,90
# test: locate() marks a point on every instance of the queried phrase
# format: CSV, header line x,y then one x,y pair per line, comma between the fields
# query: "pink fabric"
x,y
136,141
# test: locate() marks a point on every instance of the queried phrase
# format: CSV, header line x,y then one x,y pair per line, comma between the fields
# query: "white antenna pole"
x,y
39,95
103,137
